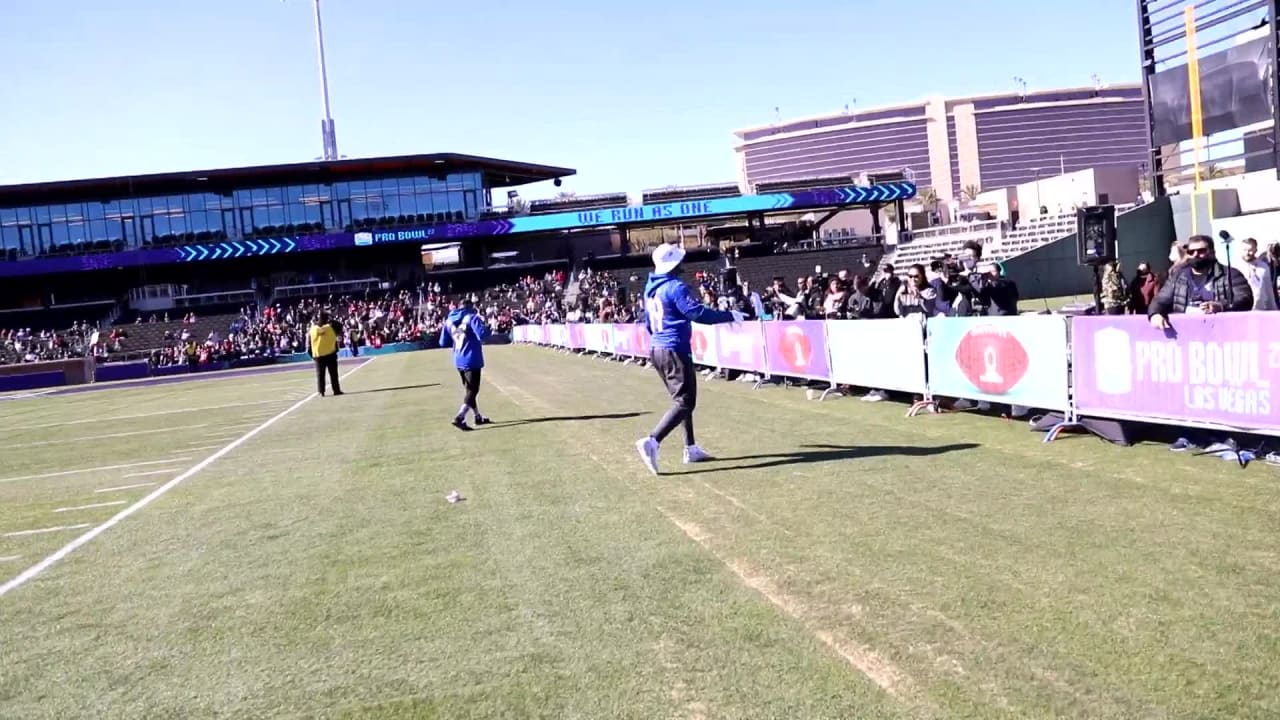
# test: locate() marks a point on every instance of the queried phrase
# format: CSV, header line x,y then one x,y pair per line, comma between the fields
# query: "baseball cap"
x,y
666,258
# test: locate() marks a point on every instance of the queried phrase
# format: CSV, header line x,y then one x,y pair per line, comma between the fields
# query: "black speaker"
x,y
728,277
1096,235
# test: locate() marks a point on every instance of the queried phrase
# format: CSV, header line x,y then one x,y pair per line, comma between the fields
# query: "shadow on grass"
x,y
393,389
809,454
565,418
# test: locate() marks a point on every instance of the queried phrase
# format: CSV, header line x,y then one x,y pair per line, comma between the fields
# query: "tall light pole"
x,y
327,134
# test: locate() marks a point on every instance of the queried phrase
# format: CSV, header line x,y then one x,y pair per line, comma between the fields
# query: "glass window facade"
x,y
129,223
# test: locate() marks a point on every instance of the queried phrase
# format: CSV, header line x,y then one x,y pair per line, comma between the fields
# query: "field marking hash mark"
x,y
124,487
92,506
35,570
157,413
102,437
150,473
63,473
41,531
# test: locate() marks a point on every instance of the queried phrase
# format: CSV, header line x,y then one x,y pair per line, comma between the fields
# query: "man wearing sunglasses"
x,y
1203,286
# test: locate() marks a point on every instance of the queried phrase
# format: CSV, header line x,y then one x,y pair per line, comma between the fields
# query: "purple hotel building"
x,y
988,142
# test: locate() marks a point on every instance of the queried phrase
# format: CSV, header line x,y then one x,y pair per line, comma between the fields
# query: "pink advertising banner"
x,y
1208,369
741,347
797,348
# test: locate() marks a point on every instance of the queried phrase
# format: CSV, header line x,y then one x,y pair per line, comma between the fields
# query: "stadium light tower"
x,y
327,134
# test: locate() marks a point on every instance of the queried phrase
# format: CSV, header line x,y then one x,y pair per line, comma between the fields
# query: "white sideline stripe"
x,y
103,437
154,495
127,487
10,558
90,507
151,414
59,528
151,472
92,469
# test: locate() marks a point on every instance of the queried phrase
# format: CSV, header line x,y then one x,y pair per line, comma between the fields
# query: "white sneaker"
x,y
648,449
695,454
961,404
876,396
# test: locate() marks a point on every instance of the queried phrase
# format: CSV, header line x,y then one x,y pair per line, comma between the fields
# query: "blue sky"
x,y
633,95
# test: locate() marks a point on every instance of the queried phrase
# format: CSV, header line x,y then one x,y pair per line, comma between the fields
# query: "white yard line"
x,y
204,447
149,473
19,446
41,531
126,487
65,550
100,468
157,413
90,507
10,558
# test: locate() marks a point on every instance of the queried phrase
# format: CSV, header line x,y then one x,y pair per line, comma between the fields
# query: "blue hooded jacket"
x,y
670,309
466,332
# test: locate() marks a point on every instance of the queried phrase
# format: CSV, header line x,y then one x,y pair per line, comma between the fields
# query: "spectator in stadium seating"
x,y
1143,289
966,281
1177,257
1202,286
835,306
884,291
859,306
915,296
998,294
1259,274
1115,296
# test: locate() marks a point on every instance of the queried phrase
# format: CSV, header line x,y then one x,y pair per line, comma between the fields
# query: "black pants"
x,y
327,363
470,388
680,378
1114,309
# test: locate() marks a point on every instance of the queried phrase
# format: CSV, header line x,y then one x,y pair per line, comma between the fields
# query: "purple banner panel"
x,y
32,381
741,347
577,336
1208,370
797,348
111,372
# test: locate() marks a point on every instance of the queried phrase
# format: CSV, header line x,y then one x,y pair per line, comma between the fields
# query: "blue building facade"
x,y
120,214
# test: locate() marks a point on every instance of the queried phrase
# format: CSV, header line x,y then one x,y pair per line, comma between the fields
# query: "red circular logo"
x,y
992,359
698,342
795,349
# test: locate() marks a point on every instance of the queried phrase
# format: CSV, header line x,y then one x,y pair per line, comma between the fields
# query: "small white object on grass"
x,y
454,497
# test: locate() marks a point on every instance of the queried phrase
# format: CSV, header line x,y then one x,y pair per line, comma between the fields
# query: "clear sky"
x,y
632,94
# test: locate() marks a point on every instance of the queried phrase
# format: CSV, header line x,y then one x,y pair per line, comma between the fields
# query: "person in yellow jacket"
x,y
323,349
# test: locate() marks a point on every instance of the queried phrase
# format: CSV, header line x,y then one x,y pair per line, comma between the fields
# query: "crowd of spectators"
x,y
25,345
954,286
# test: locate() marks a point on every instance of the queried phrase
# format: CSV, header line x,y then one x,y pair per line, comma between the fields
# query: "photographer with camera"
x,y
963,281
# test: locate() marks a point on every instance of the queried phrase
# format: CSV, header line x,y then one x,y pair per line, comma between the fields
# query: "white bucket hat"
x,y
666,258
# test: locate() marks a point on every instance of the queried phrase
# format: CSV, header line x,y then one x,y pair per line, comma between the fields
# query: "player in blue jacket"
x,y
466,332
670,309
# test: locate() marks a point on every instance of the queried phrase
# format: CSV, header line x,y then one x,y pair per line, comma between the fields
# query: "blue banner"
x,y
233,249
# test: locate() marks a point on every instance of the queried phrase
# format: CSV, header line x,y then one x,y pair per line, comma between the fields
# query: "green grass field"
x,y
838,561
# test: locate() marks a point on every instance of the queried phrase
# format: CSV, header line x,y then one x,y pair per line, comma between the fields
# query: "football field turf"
x,y
281,557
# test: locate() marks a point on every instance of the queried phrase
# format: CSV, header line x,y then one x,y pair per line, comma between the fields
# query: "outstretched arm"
x,y
695,311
